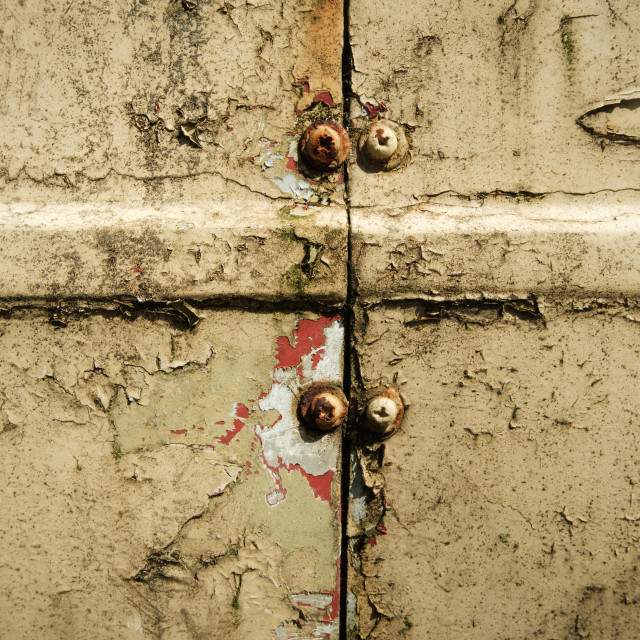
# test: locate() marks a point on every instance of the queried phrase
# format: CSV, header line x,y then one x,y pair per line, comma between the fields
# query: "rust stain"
x,y
322,38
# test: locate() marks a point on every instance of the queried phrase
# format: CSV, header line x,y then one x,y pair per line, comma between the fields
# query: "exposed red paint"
x,y
320,485
220,422
374,110
247,464
333,609
372,542
178,432
381,529
302,82
137,268
242,413
292,165
325,97
306,337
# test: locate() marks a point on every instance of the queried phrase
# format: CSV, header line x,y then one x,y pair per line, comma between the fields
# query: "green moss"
x,y
288,233
566,38
298,275
235,603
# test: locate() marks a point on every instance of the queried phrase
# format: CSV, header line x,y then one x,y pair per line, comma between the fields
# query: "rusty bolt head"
x,y
384,411
382,145
323,407
324,145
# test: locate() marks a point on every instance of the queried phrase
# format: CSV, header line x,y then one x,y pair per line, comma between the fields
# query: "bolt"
x,y
384,411
324,145
382,146
323,406
381,143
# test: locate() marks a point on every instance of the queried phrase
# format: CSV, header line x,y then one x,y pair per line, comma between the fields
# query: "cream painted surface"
x,y
497,286
165,101
137,477
506,506
156,480
489,92
236,252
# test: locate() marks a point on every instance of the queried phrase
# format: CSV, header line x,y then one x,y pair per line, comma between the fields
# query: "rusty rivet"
x,y
324,145
382,146
323,406
384,411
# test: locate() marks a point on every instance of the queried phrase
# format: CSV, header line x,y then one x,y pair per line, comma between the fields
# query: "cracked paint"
x,y
529,460
162,446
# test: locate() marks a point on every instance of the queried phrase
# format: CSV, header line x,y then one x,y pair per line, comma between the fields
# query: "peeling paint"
x,y
315,355
175,503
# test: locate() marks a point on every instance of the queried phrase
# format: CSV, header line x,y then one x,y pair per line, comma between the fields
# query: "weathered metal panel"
x,y
179,250
493,94
496,286
505,506
156,481
176,101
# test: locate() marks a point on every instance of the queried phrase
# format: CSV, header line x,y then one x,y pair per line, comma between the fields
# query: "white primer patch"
x,y
282,443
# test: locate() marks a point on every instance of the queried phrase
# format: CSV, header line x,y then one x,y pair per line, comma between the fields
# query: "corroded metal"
x,y
323,406
324,145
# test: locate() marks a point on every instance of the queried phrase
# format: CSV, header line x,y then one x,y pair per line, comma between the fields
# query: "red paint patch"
x,y
372,542
137,268
220,422
241,412
381,529
325,97
178,432
302,82
374,111
320,485
307,336
292,165
334,607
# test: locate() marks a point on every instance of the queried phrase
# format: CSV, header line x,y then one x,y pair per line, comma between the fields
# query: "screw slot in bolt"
x,y
384,411
382,146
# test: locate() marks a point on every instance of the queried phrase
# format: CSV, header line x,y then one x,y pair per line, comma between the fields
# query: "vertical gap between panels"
x,y
348,325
